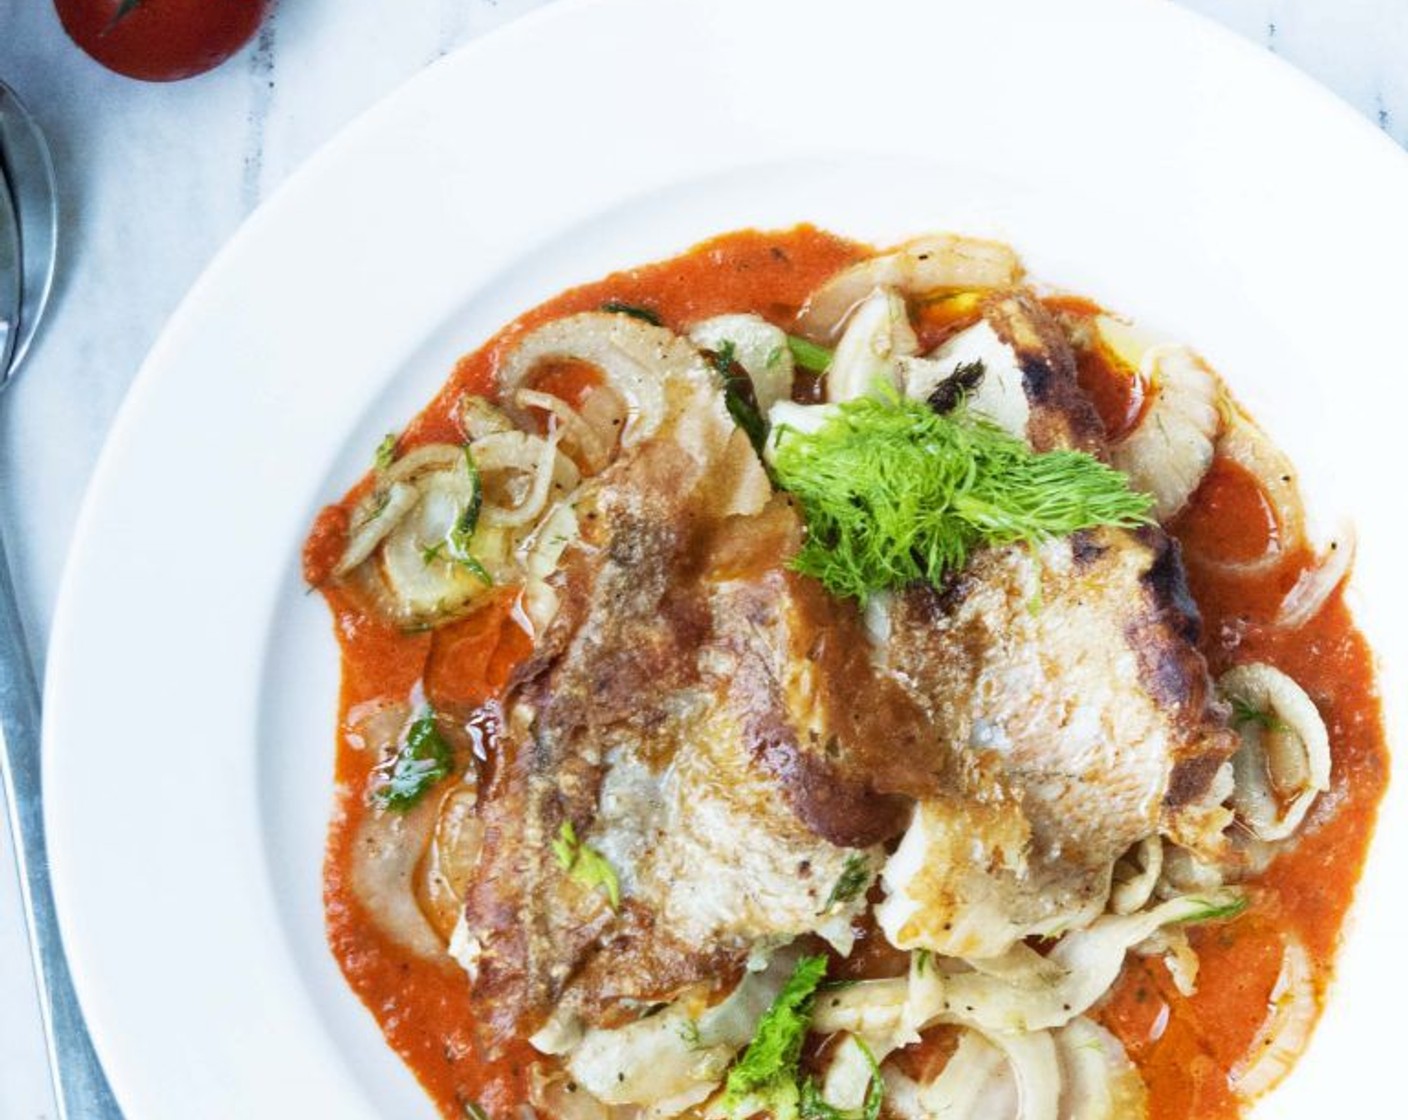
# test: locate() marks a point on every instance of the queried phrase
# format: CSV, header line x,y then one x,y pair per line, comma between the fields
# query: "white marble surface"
x,y
155,178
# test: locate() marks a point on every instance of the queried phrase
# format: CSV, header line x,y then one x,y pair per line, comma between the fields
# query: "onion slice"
x,y
1247,446
394,496
386,850
404,526
1032,1056
1091,959
1136,875
593,448
1312,590
877,335
758,346
532,455
1171,449
675,1058
1284,761
1286,1030
1099,1082
637,361
977,1083
552,1093
927,265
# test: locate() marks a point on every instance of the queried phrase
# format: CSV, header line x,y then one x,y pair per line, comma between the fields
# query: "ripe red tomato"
x,y
161,40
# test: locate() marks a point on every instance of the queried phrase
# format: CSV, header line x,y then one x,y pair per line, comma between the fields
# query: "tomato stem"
x,y
124,9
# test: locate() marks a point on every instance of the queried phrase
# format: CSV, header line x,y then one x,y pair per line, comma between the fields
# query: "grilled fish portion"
x,y
1068,687
1066,682
661,720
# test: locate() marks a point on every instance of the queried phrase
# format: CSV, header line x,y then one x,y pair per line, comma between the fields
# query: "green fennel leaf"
x,y
764,1079
689,1034
808,355
565,847
738,397
854,878
894,493
1245,712
644,314
1215,910
421,761
385,452
380,500
585,864
462,533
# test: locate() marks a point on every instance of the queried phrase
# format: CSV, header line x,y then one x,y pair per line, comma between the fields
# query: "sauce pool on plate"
x,y
1185,1047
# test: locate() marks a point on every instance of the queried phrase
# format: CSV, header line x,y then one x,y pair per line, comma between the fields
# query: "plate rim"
x,y
156,370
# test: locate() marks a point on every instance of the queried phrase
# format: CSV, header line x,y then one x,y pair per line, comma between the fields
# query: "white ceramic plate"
x,y
1128,149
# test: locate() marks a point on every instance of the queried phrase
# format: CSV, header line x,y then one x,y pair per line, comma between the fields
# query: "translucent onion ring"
x,y
577,434
1245,445
1285,1031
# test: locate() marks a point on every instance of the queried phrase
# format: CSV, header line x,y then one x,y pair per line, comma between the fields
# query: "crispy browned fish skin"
x,y
1105,639
668,682
1061,414
623,639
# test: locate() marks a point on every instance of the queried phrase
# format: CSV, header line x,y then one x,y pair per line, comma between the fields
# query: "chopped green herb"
x,y
385,451
645,314
689,1034
764,1079
723,359
421,761
1245,712
738,397
854,878
585,864
380,500
1215,909
566,845
894,493
468,519
462,533
922,961
475,568
811,1105
774,356
473,1110
592,870
746,415
808,355
814,1107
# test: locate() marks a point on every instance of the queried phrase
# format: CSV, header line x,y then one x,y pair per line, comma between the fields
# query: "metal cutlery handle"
x,y
79,1084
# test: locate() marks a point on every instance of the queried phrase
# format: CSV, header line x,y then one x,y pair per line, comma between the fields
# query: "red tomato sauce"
x,y
1184,1047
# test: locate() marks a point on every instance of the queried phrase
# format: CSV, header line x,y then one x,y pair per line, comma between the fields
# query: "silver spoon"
x,y
30,210
25,163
